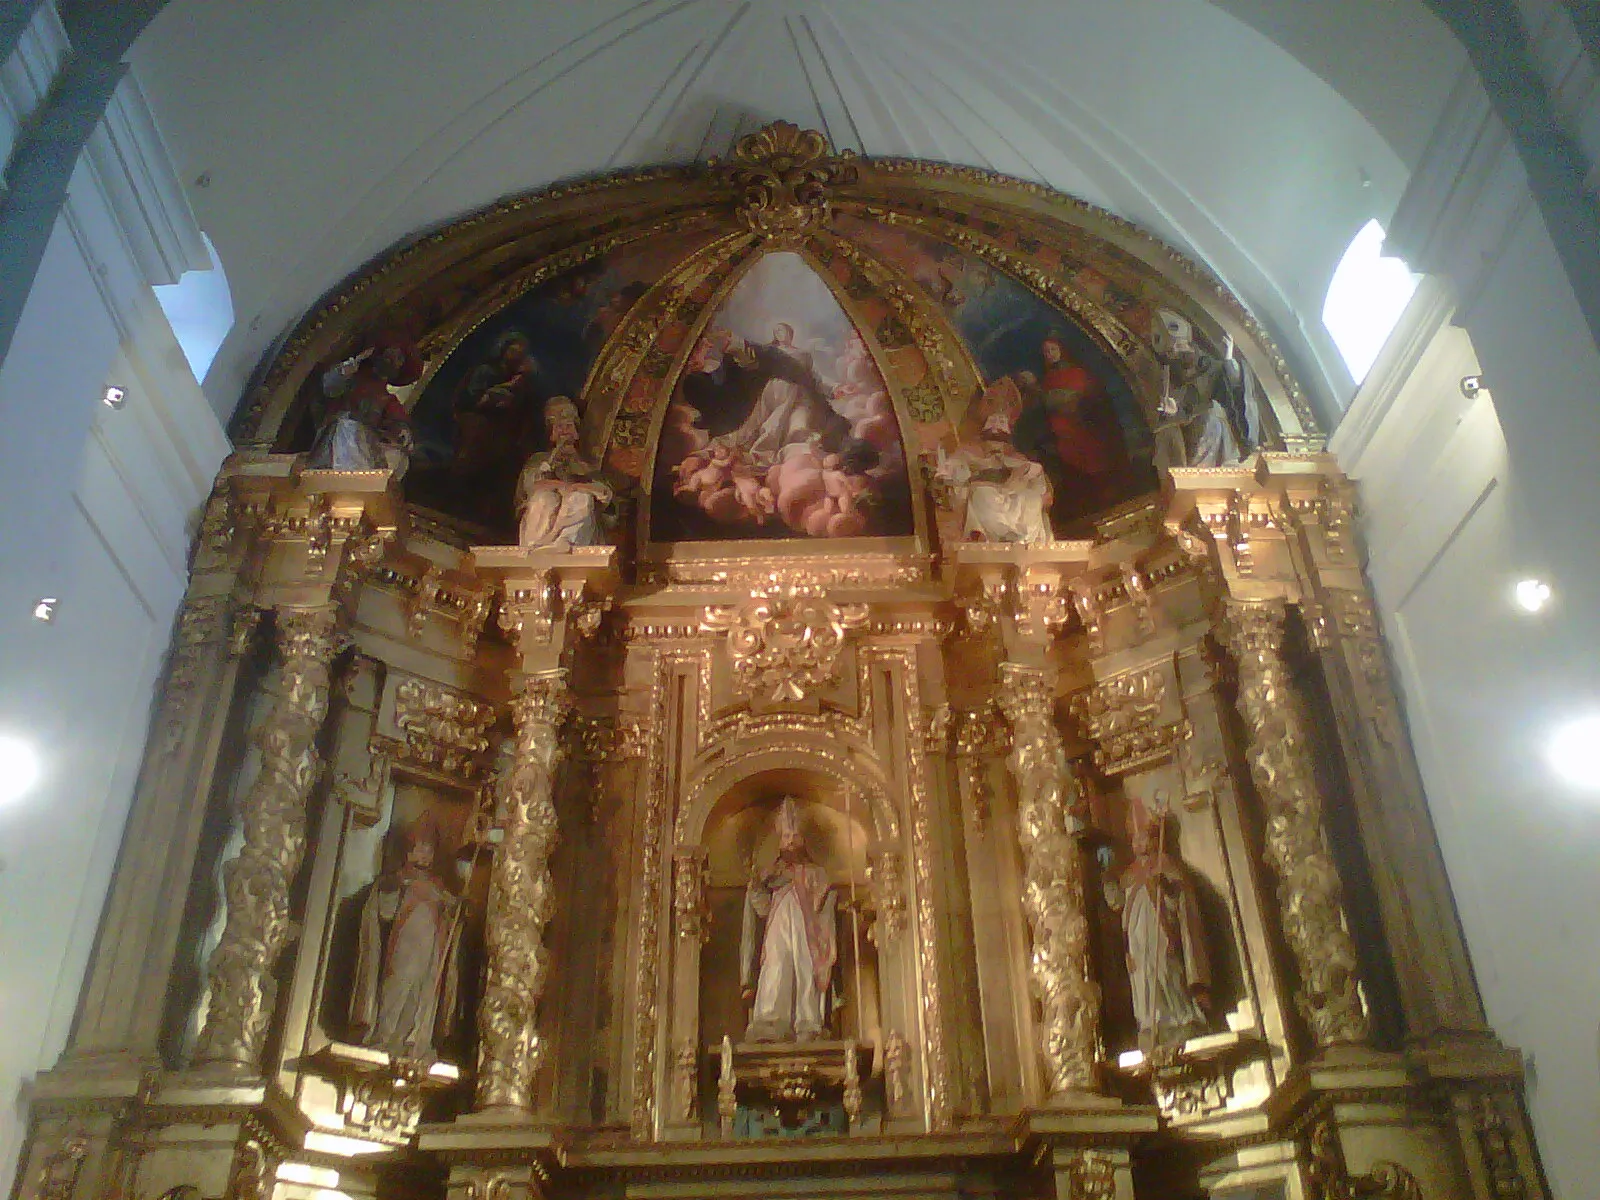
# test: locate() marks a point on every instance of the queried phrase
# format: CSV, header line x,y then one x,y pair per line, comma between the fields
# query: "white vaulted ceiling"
x,y
326,131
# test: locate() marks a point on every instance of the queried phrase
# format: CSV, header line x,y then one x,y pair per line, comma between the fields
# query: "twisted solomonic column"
x,y
1309,893
520,902
1053,887
256,881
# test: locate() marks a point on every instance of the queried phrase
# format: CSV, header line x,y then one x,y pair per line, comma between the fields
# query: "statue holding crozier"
x,y
789,943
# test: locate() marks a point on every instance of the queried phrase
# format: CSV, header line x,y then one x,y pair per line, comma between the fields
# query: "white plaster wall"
x,y
1462,497
98,504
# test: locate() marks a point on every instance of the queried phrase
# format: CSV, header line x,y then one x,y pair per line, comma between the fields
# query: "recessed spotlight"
x,y
114,396
1532,595
1574,752
44,608
19,767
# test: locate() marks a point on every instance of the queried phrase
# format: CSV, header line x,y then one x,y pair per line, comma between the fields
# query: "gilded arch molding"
x,y
447,282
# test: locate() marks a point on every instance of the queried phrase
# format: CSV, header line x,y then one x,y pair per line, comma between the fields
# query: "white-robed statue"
x,y
559,493
403,999
1008,495
789,942
1168,966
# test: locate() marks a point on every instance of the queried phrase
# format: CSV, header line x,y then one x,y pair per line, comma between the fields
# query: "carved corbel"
x,y
1086,603
528,608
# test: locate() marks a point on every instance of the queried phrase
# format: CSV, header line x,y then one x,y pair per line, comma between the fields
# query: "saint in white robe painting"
x,y
789,942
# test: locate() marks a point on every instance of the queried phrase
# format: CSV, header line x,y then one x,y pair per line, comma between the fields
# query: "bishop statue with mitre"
x,y
789,942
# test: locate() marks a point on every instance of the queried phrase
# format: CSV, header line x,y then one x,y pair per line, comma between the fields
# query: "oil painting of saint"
x,y
1067,405
481,415
781,425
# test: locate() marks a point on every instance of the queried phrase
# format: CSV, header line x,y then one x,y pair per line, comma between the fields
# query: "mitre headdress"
x,y
788,821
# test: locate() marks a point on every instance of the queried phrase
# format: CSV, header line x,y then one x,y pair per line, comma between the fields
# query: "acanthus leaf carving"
x,y
521,901
256,881
785,176
1330,1179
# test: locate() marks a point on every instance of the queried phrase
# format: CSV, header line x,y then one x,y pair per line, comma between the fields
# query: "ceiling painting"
x,y
1067,405
781,423
480,415
793,347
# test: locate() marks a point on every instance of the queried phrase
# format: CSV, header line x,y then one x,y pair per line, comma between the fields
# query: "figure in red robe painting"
x,y
1081,434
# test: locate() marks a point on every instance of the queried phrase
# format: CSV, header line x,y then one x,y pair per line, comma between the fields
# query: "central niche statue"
x,y
789,943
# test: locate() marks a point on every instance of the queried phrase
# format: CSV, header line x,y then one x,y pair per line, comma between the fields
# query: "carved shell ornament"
x,y
785,173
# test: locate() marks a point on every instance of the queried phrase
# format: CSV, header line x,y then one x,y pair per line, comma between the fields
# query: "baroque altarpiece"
x,y
798,675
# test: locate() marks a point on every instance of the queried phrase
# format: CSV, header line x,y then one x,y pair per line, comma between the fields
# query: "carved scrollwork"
x,y
1091,1175
785,640
785,175
521,901
685,1079
444,728
1330,1179
201,623
1121,716
886,877
273,817
691,876
1309,894
1053,888
896,1070
57,1177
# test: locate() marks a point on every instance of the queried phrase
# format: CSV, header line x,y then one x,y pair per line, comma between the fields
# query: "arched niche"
x,y
741,840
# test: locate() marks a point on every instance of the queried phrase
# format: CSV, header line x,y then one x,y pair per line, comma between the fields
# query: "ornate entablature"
x,y
858,656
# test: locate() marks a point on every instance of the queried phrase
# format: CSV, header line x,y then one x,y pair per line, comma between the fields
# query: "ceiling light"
x,y
1532,594
44,609
19,768
114,396
1574,752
